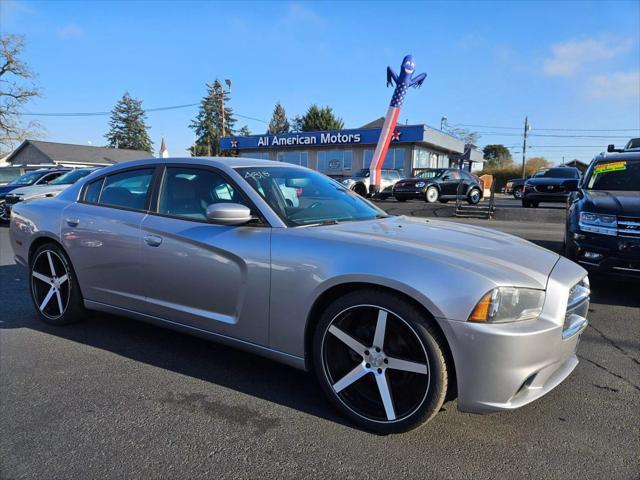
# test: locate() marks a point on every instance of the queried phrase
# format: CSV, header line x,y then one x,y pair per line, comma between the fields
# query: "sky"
x,y
568,66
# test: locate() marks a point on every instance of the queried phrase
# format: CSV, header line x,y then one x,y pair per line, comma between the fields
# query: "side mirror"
x,y
228,214
611,147
571,185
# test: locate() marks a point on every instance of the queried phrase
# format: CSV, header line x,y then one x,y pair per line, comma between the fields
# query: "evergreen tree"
x,y
279,122
244,131
208,123
127,126
318,118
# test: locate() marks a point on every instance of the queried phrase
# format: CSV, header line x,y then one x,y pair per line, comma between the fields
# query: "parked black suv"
x,y
439,184
551,185
603,219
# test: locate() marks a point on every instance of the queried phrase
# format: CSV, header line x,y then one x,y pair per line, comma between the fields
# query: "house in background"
x,y
39,153
581,166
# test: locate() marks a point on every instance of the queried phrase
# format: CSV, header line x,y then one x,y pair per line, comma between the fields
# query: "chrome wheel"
x,y
3,212
50,284
474,196
432,194
375,363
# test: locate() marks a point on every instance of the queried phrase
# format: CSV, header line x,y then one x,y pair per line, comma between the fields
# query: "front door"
x,y
450,182
211,277
101,233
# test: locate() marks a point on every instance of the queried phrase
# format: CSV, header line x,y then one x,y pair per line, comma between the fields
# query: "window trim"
x,y
154,174
161,173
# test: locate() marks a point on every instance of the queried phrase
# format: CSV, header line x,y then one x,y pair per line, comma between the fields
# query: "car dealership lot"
x,y
112,397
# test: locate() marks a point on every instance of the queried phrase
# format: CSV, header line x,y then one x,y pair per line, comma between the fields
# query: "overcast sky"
x,y
573,65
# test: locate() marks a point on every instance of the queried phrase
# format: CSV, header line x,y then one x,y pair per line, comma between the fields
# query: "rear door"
x,y
101,233
211,277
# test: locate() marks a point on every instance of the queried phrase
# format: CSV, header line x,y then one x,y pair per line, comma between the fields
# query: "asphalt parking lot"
x,y
114,398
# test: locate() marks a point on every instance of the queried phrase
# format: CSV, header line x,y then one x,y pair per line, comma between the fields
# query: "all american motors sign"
x,y
412,133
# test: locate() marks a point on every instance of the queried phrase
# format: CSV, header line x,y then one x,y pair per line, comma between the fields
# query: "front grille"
x,y
629,227
12,199
549,188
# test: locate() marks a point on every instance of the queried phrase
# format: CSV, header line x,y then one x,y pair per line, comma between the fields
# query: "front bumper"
x,y
546,197
505,366
618,255
409,192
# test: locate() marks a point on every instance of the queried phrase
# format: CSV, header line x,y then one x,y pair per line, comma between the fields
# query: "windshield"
x,y
71,177
621,176
363,173
633,144
557,173
432,173
304,197
27,179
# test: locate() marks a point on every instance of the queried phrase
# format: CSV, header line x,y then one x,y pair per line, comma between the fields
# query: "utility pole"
x,y
527,127
228,82
443,122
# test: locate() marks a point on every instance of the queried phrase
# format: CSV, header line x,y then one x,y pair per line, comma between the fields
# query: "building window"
x,y
420,158
393,161
258,155
295,158
335,161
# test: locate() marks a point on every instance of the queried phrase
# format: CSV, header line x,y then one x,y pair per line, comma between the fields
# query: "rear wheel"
x,y
54,288
360,190
474,196
431,195
379,363
517,193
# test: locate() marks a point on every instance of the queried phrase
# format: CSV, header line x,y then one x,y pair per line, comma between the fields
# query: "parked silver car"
x,y
361,183
391,313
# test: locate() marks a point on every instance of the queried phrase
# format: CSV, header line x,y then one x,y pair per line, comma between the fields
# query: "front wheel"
x,y
54,288
378,361
517,193
4,217
431,195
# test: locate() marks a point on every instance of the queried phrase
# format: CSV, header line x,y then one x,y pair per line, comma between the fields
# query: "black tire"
x,y
431,195
360,190
474,196
401,199
517,193
418,395
444,200
3,213
66,292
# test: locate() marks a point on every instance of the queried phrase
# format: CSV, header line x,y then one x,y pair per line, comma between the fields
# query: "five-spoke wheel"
x,y
53,288
379,366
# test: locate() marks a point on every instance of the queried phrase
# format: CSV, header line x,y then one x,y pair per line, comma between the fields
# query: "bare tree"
x,y
17,87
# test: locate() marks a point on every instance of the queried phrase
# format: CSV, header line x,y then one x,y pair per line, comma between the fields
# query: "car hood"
x,y
612,202
38,190
549,181
502,258
4,189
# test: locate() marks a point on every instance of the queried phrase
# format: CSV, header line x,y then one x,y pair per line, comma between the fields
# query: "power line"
x,y
98,114
552,129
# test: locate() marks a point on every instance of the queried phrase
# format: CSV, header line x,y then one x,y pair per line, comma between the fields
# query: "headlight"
x,y
579,292
598,223
508,304
420,184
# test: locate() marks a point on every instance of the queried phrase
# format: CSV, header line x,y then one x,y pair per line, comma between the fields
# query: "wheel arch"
x,y
41,240
336,291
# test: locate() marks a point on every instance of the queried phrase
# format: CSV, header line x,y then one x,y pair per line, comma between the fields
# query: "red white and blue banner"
x,y
402,83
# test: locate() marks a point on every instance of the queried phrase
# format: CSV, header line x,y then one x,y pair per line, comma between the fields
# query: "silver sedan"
x,y
393,314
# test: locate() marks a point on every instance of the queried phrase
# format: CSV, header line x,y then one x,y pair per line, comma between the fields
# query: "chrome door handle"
x,y
152,240
72,222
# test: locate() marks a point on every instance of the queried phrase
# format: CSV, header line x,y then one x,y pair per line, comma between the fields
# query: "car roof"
x,y
616,156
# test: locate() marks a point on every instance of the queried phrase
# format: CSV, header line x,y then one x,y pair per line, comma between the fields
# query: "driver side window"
x,y
187,192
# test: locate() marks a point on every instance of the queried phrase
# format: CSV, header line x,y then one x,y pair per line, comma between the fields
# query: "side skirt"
x,y
278,356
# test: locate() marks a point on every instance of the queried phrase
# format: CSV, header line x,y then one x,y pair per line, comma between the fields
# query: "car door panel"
x,y
211,277
104,247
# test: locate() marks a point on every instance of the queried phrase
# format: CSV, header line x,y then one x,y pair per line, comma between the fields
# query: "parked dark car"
x,y
515,187
552,185
439,184
37,177
603,219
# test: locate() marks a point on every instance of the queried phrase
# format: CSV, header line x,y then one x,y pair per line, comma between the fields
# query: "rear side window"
x,y
92,193
127,189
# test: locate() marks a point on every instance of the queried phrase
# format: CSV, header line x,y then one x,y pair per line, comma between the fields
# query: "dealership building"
x,y
344,152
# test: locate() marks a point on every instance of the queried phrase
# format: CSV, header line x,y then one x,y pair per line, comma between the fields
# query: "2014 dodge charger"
x,y
391,313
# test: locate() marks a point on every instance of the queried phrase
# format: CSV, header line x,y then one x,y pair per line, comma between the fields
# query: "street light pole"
x,y
443,122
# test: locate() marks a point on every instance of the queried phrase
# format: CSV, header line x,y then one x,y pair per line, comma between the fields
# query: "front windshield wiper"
x,y
321,224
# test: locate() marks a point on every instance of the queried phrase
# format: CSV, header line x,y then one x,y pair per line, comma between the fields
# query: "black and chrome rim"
x,y
3,212
50,284
517,193
376,363
475,196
